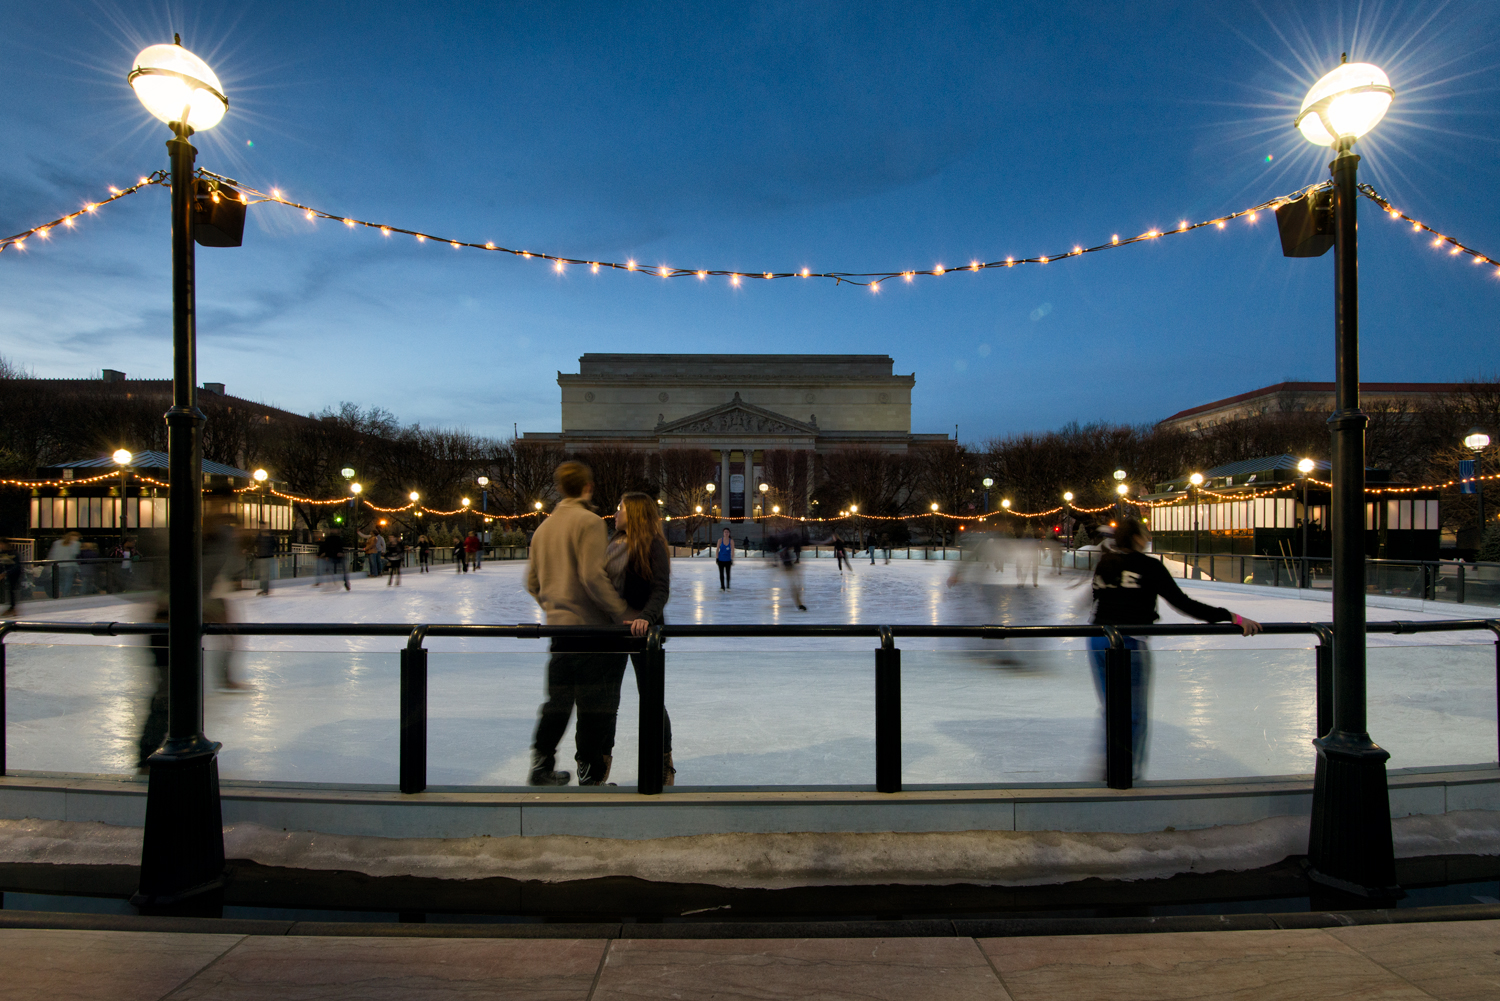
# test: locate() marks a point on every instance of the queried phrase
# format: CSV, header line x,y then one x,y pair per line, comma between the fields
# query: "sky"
x,y
767,137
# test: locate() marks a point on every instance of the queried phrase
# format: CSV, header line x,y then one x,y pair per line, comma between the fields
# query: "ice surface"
x,y
751,711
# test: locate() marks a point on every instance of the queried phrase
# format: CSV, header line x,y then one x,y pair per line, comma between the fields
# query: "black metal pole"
x,y
1195,532
651,677
1306,515
1349,845
122,509
887,713
182,853
412,760
1119,750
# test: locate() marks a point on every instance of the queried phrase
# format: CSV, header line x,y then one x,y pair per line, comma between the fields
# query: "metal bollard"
x,y
56,587
413,759
651,676
1460,583
1119,763
1323,680
887,713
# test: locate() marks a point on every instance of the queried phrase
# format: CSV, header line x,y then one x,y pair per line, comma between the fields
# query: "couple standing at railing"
x,y
582,578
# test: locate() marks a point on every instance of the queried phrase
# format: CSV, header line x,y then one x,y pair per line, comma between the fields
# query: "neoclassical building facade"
x,y
739,407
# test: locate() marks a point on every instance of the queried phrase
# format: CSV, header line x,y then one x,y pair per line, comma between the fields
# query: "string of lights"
x,y
870,279
43,231
1438,239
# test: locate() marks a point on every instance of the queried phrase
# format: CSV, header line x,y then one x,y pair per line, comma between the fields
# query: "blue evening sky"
x,y
767,136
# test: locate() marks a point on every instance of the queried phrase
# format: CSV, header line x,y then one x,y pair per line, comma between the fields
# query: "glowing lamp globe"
x,y
1122,490
355,488
709,487
854,509
934,506
764,487
775,508
465,502
537,505
347,473
1476,440
177,86
1345,104
123,456
1306,466
988,482
1196,479
260,475
483,481
413,497
1119,474
698,508
1068,496
1005,504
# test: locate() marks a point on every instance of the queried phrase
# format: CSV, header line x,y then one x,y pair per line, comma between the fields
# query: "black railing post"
x,y
55,589
887,713
1460,583
1119,763
413,761
1323,679
651,677
5,627
1494,625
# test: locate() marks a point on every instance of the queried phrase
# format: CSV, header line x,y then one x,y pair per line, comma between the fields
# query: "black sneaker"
x,y
548,777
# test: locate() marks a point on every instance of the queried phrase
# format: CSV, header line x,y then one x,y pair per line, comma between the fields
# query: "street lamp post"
x,y
260,477
354,492
182,851
1194,482
710,488
1349,846
1068,502
1477,441
1120,502
1305,467
484,506
988,482
122,459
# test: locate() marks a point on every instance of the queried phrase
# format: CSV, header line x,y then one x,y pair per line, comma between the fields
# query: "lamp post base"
x,y
1349,845
183,853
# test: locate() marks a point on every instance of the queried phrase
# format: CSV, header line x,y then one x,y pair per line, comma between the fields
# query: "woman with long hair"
x,y
1127,583
640,567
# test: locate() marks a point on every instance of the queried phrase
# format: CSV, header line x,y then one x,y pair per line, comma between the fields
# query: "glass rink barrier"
x,y
755,706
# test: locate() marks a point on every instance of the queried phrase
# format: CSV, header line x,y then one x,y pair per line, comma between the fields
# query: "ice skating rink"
x,y
750,712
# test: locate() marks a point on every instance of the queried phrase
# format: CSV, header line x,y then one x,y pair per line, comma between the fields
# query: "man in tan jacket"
x,y
566,576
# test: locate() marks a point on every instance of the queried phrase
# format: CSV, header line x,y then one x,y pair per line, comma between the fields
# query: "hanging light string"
x,y
1438,239
871,279
44,230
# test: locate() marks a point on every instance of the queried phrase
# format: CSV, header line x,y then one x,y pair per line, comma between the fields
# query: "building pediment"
x,y
736,417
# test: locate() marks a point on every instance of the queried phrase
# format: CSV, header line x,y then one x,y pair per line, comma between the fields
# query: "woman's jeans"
x,y
725,566
1140,690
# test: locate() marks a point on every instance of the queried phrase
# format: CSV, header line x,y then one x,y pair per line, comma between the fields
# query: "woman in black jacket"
x,y
1127,583
640,568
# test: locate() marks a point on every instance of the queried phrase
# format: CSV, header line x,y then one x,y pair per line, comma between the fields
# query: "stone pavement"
x,y
1451,960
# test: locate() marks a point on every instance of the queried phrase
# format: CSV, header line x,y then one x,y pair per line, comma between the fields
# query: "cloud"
x,y
1041,311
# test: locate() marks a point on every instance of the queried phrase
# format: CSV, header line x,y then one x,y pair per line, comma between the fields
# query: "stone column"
x,y
722,494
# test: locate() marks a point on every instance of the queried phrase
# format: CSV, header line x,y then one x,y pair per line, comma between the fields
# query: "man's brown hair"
x,y
572,477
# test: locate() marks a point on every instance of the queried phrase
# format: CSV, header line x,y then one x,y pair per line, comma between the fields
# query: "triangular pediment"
x,y
736,417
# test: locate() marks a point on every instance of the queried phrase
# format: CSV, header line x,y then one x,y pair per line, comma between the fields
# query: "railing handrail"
x,y
1467,564
533,630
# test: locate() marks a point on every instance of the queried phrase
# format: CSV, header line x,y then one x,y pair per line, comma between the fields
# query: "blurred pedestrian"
x,y
424,554
374,551
65,554
840,555
127,554
88,566
565,574
789,552
395,555
265,557
473,550
10,574
222,547
725,559
1127,583
331,557
640,568
460,554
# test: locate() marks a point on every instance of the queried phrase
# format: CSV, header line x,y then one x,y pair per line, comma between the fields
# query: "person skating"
x,y
640,568
1127,583
374,546
424,554
331,557
395,555
789,550
10,572
841,555
473,551
725,559
565,574
265,557
460,555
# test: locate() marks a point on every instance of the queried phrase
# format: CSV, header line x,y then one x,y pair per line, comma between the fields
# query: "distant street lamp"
x,y
484,505
765,489
988,482
122,459
182,850
1478,441
1305,467
260,477
465,504
1350,843
710,488
1194,482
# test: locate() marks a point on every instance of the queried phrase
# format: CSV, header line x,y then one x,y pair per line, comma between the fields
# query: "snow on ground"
x,y
751,711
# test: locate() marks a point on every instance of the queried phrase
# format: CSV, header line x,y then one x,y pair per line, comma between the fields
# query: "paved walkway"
x,y
1448,960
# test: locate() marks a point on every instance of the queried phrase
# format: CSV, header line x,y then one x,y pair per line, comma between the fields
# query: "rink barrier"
x,y
651,671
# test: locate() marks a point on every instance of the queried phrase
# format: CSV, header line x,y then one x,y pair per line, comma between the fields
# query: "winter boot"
x,y
542,773
587,773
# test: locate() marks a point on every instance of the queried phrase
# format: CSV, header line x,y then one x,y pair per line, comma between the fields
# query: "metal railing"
x,y
651,671
1453,581
33,580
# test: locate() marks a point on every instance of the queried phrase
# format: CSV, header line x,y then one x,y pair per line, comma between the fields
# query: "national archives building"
x,y
738,406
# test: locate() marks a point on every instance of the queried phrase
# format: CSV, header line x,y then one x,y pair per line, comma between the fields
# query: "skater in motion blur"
x,y
331,557
474,550
1127,583
725,559
789,552
566,576
840,554
395,555
424,554
640,568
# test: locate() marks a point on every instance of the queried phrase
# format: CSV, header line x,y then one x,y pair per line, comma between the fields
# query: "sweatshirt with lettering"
x,y
1127,584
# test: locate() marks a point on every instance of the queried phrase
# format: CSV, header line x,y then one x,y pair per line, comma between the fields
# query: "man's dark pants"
x,y
591,682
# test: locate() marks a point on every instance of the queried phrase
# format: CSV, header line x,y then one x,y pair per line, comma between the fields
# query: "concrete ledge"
x,y
619,814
